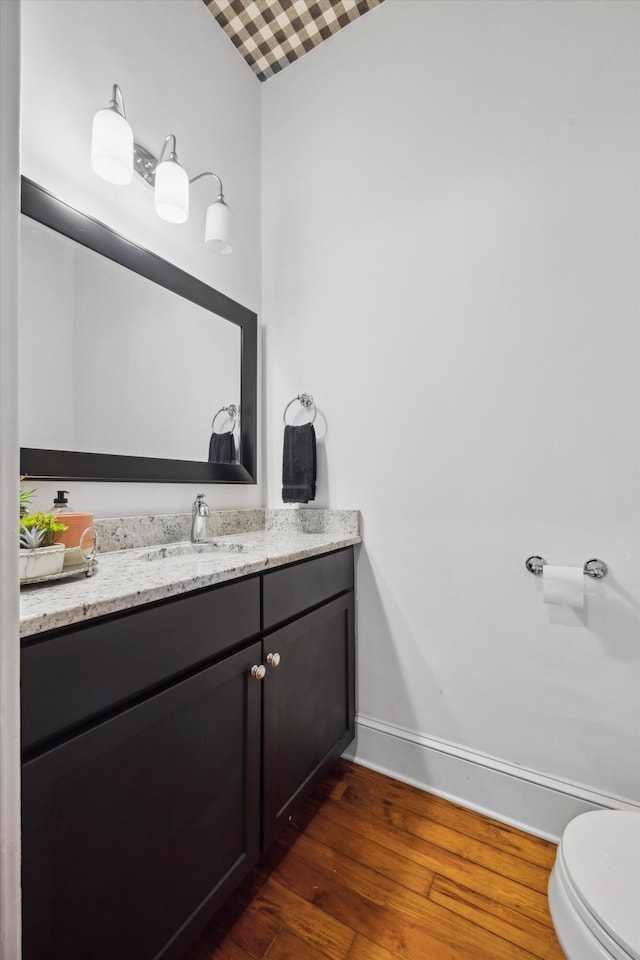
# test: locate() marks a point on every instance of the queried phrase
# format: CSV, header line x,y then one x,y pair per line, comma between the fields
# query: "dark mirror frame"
x,y
47,209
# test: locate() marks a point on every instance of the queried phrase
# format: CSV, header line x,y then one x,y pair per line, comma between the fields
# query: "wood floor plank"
x,y
305,858
237,925
335,819
289,946
290,910
403,922
364,949
331,899
370,869
446,838
395,793
512,926
253,932
316,845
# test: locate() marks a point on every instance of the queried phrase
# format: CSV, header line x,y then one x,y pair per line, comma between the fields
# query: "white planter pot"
x,y
41,562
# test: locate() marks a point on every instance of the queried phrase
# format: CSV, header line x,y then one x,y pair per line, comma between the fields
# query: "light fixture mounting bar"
x,y
144,164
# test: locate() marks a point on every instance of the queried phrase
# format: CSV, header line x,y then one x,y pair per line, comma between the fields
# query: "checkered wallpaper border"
x,y
270,34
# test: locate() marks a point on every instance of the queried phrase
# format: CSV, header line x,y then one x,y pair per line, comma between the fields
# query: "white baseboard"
x,y
527,799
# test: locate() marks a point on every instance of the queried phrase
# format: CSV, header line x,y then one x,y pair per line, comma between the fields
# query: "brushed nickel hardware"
x,y
306,400
273,659
199,516
534,565
258,672
232,410
596,569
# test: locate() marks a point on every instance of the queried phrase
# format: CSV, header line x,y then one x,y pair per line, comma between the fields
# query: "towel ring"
x,y
233,412
306,400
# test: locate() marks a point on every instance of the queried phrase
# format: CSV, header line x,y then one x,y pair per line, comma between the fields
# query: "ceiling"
x,y
271,34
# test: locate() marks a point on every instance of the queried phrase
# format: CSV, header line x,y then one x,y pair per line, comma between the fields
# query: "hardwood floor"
x,y
372,869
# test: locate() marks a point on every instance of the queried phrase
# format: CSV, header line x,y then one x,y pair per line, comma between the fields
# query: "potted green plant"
x,y
25,499
40,555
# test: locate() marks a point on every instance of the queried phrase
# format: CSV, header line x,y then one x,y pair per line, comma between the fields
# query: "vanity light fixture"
x,y
171,191
112,142
217,230
115,156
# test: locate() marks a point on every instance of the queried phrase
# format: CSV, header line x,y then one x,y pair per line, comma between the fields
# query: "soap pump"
x,y
77,523
60,503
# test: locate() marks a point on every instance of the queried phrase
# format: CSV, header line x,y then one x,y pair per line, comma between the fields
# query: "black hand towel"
x,y
222,448
299,464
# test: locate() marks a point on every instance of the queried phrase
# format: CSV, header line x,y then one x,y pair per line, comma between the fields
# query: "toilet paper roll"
x,y
564,585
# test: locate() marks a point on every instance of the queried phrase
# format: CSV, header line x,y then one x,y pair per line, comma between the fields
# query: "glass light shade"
x,y
112,147
171,199
217,230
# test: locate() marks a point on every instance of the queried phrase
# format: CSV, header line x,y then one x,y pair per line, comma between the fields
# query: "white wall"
x,y
179,74
450,216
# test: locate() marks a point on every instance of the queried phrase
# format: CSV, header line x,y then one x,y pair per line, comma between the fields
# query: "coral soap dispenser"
x,y
77,523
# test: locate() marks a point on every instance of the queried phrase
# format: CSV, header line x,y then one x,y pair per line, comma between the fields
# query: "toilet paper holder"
x,y
597,569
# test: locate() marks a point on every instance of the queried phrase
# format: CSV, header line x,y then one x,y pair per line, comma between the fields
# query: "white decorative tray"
x,y
87,569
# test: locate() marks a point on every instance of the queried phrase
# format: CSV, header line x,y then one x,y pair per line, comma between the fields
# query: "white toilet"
x,y
594,888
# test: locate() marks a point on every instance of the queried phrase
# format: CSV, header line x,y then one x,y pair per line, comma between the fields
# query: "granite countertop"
x,y
158,570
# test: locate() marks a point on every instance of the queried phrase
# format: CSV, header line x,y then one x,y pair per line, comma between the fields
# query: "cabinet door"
x,y
308,706
135,831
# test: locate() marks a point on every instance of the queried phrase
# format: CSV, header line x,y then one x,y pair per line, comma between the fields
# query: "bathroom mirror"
x,y
125,358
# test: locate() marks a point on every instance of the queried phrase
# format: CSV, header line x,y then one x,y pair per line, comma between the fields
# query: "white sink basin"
x,y
198,551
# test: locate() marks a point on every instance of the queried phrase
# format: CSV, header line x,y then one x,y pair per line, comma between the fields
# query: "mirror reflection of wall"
x,y
113,363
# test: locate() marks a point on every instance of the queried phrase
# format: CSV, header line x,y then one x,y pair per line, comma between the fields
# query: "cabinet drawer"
x,y
292,590
69,677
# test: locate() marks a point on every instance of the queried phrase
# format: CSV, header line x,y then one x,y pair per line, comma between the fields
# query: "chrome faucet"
x,y
199,519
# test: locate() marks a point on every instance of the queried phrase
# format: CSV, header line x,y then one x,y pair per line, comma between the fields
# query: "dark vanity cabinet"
x,y
156,763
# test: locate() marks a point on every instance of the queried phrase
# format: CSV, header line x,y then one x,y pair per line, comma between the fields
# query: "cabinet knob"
x,y
273,659
258,672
